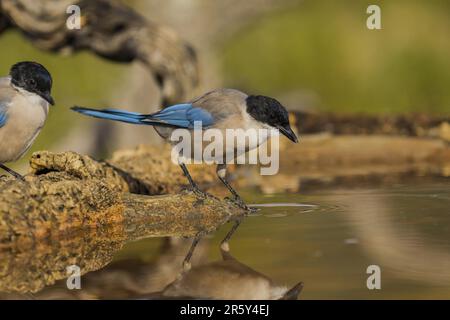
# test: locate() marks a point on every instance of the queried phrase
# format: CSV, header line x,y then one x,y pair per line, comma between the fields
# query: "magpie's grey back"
x,y
6,91
222,103
6,94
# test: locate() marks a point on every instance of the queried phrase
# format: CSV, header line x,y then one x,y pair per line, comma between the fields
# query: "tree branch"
x,y
111,30
68,192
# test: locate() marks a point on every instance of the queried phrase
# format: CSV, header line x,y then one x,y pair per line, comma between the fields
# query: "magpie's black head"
x,y
32,77
270,111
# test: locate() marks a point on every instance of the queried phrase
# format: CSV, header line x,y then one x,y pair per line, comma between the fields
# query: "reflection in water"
x,y
328,244
225,279
404,250
37,269
280,205
30,269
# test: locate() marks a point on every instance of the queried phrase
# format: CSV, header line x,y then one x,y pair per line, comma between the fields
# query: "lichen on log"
x,y
66,192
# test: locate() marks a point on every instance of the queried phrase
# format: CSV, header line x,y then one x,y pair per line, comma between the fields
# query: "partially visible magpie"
x,y
24,105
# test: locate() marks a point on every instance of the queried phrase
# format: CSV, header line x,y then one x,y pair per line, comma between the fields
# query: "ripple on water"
x,y
284,209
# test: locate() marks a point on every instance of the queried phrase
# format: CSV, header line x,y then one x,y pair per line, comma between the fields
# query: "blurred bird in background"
x,y
220,109
25,96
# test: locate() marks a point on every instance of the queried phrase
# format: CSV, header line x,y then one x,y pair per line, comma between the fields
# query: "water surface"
x,y
325,238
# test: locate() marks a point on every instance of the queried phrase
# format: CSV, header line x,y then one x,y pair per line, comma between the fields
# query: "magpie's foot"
x,y
240,203
200,193
13,174
187,260
195,189
19,177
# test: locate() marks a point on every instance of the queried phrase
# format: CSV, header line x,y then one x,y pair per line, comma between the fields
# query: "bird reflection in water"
x,y
227,278
28,274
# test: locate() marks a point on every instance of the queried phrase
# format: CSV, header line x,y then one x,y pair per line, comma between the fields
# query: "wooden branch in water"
x,y
67,192
183,214
111,30
415,125
22,265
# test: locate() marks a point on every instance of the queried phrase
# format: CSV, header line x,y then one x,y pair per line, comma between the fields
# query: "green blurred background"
x,y
323,50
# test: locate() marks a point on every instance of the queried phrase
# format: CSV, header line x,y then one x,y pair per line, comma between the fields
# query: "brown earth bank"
x,y
416,125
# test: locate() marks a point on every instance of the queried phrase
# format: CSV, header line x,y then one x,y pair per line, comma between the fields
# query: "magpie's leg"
x,y
194,186
221,173
187,259
11,172
224,244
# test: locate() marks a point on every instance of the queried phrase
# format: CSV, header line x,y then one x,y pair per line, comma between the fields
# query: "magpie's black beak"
x,y
287,131
293,293
47,97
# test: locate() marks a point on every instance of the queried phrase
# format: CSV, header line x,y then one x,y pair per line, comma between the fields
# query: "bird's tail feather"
x,y
122,116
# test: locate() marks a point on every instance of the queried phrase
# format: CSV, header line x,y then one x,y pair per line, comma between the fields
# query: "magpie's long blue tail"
x,y
123,116
183,115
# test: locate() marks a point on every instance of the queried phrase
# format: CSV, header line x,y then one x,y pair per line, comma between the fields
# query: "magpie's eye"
x,y
31,82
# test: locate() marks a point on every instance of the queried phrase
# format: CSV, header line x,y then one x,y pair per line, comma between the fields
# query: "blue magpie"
x,y
25,96
219,109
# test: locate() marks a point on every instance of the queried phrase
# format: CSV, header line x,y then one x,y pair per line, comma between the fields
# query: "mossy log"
x,y
66,192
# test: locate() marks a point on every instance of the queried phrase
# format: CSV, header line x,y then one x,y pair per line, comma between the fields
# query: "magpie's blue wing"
x,y
184,116
3,114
